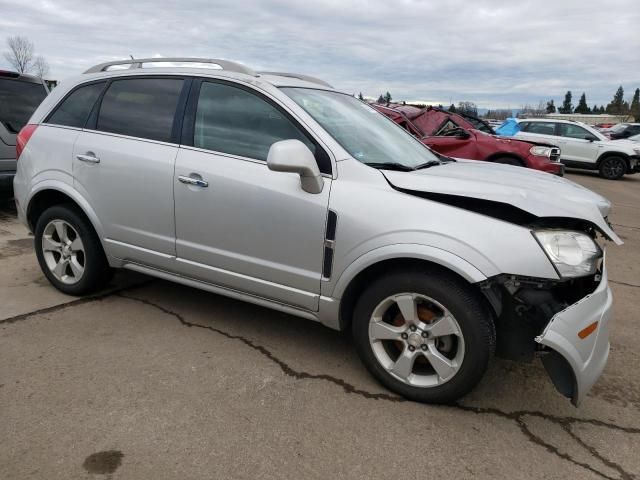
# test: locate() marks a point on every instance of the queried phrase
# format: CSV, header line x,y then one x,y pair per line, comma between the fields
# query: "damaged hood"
x,y
538,193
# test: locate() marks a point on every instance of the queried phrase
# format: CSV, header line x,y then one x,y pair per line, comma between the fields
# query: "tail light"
x,y
23,137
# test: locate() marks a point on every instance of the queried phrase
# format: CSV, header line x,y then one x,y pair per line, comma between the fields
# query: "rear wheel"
x,y
425,336
509,161
613,168
69,251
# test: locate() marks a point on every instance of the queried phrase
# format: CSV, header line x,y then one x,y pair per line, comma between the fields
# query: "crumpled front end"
x,y
576,342
564,322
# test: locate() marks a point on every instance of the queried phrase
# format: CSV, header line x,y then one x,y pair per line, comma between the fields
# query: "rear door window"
x,y
18,101
140,107
541,128
74,110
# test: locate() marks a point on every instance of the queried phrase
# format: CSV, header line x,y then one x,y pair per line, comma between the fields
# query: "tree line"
x,y
617,106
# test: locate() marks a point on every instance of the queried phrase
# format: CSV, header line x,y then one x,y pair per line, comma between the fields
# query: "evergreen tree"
x,y
616,107
380,99
360,97
582,105
387,98
452,108
635,105
551,108
595,110
566,107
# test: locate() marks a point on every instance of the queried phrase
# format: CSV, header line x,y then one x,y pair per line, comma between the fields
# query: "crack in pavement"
x,y
624,283
566,423
78,301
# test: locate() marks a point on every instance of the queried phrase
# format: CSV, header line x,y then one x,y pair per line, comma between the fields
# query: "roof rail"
x,y
137,63
299,76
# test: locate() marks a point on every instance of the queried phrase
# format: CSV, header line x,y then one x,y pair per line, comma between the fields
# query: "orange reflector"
x,y
585,332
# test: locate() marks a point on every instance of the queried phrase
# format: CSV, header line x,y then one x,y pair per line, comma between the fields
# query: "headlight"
x,y
637,150
574,254
540,151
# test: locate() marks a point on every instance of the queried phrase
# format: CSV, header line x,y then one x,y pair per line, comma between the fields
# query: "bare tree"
x,y
20,54
41,66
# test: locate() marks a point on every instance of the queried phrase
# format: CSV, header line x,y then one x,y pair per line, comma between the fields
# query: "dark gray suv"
x,y
20,95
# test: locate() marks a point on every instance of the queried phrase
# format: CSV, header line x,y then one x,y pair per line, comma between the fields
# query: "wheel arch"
x,y
494,156
56,193
353,281
606,155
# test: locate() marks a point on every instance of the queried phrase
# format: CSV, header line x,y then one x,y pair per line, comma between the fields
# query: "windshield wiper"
x,y
430,163
390,166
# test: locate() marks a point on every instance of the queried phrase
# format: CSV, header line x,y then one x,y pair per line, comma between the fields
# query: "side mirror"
x,y
591,138
294,156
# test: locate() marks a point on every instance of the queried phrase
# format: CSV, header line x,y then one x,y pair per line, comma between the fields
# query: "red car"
x,y
463,136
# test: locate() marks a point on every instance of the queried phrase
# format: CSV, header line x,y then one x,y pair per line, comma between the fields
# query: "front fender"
x,y
405,250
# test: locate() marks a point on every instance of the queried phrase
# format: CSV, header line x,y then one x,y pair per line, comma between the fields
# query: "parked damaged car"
x,y
464,136
276,189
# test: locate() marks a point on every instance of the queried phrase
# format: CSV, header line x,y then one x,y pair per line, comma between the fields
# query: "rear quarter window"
x,y
140,107
74,110
18,101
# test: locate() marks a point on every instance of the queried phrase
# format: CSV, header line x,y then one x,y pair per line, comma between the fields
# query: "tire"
x,y
436,291
83,266
509,161
613,168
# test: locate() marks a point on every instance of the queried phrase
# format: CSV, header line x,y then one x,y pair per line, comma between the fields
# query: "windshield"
x,y
368,136
18,101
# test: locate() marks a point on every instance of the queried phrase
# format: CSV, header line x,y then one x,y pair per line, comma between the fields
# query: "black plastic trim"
x,y
332,220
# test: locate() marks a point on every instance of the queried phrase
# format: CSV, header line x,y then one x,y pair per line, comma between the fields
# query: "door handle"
x,y
198,182
88,157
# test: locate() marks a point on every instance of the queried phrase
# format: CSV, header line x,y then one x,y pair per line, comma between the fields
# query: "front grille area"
x,y
554,156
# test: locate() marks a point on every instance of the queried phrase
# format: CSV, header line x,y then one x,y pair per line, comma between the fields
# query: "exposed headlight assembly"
x,y
540,151
574,254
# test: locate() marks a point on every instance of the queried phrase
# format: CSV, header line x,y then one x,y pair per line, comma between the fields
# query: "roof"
x,y
206,67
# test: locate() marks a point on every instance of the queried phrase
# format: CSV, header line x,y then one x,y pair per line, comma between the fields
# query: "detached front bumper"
x,y
577,341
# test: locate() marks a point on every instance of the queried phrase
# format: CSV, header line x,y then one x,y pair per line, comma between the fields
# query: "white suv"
x,y
583,146
279,190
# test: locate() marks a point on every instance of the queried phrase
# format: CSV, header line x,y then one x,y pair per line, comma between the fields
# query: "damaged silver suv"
x,y
276,189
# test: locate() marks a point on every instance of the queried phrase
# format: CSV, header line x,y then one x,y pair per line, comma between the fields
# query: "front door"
x,y
574,145
238,224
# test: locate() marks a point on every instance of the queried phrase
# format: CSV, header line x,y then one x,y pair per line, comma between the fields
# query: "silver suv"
x,y
279,190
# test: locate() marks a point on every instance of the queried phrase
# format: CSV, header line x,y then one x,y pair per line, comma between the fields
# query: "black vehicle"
x,y
20,95
623,130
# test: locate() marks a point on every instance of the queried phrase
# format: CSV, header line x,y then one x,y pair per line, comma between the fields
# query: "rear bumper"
x,y
575,360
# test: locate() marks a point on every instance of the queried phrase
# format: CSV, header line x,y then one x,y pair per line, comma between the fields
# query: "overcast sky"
x,y
495,53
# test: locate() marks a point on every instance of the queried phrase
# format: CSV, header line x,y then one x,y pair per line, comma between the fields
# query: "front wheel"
x,y
613,168
426,336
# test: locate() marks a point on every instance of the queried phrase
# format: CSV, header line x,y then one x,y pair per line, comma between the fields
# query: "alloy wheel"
x,y
63,251
416,339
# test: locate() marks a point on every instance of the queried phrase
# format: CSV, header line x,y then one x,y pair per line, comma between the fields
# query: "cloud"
x,y
492,52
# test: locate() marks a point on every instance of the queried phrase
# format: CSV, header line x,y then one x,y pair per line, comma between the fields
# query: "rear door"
x,y
539,132
19,98
123,165
244,226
